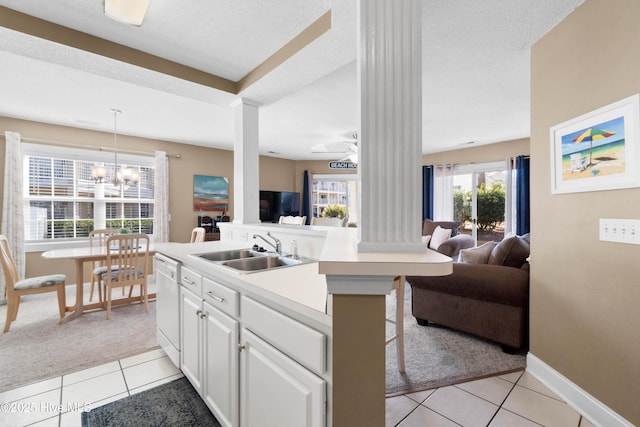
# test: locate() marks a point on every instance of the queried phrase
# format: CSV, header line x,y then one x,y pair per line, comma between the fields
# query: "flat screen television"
x,y
273,204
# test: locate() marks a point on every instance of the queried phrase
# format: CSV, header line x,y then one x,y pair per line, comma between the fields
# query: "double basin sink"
x,y
249,260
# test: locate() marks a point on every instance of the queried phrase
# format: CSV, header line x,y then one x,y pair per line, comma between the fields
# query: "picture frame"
x,y
597,150
210,193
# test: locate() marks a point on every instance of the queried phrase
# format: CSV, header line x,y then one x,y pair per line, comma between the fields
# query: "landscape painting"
x,y
210,193
598,150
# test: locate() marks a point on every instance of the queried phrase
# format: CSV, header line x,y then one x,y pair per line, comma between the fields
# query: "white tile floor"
x,y
511,400
60,401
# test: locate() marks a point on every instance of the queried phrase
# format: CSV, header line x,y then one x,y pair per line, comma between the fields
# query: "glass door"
x,y
335,191
479,201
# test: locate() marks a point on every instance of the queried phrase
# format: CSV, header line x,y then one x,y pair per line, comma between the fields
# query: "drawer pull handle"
x,y
215,297
190,282
199,313
161,260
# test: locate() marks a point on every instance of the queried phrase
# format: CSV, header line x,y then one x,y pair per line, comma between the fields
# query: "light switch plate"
x,y
620,230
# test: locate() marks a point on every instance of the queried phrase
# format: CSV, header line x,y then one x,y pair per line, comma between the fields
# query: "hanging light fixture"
x,y
124,175
99,173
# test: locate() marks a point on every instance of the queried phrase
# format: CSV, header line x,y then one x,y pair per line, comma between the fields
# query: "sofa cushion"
x,y
511,252
439,236
429,226
477,255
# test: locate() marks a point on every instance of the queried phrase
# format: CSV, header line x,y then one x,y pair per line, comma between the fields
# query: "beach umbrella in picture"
x,y
592,134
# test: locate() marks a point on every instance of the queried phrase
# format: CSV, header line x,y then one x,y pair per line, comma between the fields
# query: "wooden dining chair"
x,y
127,265
97,239
198,234
17,288
295,220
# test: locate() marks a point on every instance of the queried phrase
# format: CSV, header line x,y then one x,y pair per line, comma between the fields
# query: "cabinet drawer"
x,y
302,343
191,280
220,296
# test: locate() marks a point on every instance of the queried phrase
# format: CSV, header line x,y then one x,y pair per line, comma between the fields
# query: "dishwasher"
x,y
167,273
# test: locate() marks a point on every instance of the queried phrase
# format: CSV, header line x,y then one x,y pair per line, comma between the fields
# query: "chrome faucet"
x,y
278,243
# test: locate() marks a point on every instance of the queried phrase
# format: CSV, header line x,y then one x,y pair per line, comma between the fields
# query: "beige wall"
x,y
585,293
275,174
479,154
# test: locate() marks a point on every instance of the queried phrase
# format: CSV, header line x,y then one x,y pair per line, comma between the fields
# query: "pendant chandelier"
x,y
124,176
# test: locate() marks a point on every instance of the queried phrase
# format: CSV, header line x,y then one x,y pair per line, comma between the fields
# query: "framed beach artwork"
x,y
598,150
210,193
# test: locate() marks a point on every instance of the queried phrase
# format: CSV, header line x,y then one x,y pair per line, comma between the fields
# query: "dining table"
x,y
80,256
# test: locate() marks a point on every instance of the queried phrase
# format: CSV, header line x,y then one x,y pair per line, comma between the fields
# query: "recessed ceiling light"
x,y
126,11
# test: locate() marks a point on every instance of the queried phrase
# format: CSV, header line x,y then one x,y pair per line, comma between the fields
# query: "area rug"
x,y
171,404
437,356
37,347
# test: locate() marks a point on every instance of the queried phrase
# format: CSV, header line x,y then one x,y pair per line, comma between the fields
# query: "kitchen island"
x,y
260,347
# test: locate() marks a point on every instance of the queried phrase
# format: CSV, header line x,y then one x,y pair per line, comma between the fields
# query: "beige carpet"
x,y
436,356
37,347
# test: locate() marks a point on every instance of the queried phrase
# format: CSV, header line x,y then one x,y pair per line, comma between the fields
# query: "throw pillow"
x,y
426,239
439,236
477,255
511,252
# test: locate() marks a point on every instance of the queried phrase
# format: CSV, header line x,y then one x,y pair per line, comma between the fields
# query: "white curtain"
x,y
161,194
12,206
510,218
443,193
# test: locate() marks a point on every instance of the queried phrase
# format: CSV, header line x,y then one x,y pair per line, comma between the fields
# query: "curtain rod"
x,y
89,147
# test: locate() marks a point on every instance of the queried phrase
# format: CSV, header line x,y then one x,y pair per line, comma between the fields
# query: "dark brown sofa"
x,y
489,298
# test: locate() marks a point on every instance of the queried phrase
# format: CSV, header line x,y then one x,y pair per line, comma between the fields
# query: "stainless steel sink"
x,y
263,262
260,263
228,255
249,260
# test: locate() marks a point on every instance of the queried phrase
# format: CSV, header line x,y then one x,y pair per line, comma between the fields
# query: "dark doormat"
x,y
171,404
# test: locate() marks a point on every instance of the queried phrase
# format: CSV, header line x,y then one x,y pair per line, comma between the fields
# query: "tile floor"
x,y
512,400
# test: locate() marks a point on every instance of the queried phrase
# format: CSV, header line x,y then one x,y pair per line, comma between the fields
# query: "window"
x,y
340,190
62,201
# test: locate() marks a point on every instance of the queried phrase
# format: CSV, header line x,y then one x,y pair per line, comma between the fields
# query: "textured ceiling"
x,y
475,71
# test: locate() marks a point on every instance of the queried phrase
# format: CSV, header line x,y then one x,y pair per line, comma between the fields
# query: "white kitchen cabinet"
x,y
276,390
191,338
210,356
220,359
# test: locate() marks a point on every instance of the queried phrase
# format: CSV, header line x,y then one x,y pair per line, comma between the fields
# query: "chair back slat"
x,y
8,264
127,259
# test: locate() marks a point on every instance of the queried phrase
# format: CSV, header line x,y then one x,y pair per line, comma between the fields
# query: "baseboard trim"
x,y
595,411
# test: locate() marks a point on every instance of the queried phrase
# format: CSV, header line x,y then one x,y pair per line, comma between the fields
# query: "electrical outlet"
x,y
620,230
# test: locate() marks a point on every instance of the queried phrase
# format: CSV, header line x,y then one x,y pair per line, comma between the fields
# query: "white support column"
x,y
390,149
246,182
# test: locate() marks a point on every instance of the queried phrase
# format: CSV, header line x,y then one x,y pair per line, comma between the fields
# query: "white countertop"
x,y
299,283
341,257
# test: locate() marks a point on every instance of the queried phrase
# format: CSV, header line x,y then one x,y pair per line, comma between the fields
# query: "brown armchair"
x,y
452,246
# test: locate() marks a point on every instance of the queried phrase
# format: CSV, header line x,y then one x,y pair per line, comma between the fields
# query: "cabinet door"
x,y
190,342
221,365
277,391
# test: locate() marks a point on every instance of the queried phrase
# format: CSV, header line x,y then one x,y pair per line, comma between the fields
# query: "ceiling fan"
x,y
347,149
